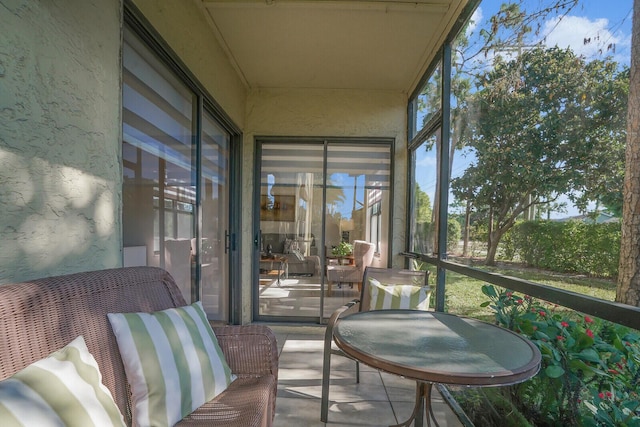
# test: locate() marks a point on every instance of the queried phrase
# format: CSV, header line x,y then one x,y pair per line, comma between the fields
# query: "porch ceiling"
x,y
366,44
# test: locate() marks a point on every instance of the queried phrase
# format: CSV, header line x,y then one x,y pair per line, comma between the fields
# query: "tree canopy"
x,y
543,124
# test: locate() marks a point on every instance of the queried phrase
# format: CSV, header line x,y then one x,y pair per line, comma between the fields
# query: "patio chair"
x,y
381,289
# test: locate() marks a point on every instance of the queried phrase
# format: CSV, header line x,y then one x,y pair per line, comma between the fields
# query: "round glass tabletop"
x,y
437,347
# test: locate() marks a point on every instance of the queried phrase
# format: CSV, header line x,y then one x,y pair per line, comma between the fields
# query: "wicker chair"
x,y
42,316
385,276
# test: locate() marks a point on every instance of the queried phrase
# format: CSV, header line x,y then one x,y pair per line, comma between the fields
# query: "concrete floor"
x,y
379,400
300,296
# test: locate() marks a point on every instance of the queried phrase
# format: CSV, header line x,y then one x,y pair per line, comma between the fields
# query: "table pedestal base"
x,y
423,405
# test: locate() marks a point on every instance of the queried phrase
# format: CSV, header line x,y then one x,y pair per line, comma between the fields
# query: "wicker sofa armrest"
x,y
250,350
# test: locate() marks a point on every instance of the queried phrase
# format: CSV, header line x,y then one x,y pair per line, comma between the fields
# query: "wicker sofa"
x,y
41,316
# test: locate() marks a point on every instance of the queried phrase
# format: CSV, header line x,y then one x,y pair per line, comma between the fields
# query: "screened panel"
x,y
427,103
424,197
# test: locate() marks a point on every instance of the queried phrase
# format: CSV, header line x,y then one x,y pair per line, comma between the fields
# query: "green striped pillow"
x,y
63,389
395,296
172,360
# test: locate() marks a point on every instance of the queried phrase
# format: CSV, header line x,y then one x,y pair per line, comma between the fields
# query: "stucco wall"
x,y
328,113
184,28
60,168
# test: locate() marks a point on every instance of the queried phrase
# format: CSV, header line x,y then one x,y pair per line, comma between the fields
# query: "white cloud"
x,y
475,19
571,31
427,161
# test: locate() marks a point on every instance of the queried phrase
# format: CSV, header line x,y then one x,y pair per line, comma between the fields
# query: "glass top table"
x,y
434,347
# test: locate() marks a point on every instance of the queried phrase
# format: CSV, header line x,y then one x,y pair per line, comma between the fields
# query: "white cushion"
x,y
287,246
64,389
298,254
398,296
172,360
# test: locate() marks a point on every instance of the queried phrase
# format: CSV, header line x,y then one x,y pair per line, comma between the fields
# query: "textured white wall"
x,y
328,113
60,168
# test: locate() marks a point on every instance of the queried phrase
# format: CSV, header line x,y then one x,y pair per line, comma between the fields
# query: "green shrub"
x,y
590,373
568,247
454,232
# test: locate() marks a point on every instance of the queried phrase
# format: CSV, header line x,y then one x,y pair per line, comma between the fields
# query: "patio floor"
x,y
379,400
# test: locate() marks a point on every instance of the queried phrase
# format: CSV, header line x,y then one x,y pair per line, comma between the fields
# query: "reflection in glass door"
x,y
356,217
290,249
214,256
159,190
175,180
315,195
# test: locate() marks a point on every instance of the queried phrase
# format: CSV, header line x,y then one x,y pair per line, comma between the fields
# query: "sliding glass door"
x,y
214,196
289,255
314,196
175,158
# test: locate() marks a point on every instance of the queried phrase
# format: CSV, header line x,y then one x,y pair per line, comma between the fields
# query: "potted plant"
x,y
342,250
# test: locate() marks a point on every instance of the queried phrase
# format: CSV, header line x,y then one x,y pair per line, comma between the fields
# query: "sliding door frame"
x,y
255,252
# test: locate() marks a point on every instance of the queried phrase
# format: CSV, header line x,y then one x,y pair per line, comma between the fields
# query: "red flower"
x,y
589,333
564,324
588,319
519,302
542,313
613,371
560,338
601,395
527,297
609,395
509,294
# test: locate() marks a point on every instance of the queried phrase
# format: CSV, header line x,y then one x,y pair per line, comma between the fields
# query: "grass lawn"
x,y
463,294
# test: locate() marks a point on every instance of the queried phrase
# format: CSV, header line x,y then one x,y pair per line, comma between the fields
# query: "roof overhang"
x,y
368,44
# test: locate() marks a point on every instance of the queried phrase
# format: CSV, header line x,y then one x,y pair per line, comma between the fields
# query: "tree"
x,y
628,290
423,233
539,124
508,28
422,205
602,178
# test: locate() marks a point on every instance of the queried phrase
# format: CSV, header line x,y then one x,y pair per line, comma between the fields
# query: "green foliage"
x,y
590,370
342,249
454,232
478,231
564,134
424,236
572,246
475,402
422,206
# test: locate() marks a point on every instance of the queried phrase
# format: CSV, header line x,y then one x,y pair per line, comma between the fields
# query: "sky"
x,y
607,23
